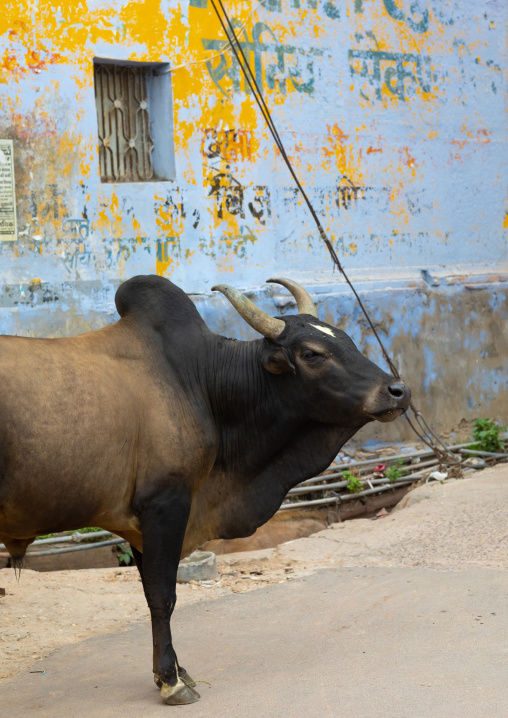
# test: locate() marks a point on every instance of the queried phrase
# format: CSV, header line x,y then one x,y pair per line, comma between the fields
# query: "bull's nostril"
x,y
397,390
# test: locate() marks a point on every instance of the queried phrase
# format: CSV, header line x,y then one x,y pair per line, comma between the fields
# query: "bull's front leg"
x,y
163,520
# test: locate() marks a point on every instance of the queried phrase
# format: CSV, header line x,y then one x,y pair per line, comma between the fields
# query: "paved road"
x,y
355,642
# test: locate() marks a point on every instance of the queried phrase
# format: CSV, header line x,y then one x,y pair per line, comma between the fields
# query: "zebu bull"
x,y
169,435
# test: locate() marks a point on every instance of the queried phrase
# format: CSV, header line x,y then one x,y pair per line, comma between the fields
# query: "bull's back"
x,y
87,421
68,425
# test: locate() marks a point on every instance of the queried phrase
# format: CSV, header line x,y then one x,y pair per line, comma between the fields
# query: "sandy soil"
x,y
450,526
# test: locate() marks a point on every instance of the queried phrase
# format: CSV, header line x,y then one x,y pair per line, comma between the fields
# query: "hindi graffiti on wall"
x,y
283,64
8,227
391,72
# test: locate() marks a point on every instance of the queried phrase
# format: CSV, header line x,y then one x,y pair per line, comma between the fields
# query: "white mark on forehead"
x,y
325,330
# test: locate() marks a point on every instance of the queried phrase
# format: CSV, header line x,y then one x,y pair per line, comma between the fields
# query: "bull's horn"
x,y
303,299
264,324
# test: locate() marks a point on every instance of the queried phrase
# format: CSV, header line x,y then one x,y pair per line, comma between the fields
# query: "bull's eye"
x,y
308,354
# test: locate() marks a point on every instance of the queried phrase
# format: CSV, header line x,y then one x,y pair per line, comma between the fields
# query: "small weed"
x,y
87,530
486,433
124,554
395,472
353,483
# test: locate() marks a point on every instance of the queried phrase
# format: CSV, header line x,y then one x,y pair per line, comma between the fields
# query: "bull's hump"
x,y
155,301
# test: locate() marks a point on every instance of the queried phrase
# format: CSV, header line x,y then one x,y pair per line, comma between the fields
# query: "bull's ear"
x,y
276,360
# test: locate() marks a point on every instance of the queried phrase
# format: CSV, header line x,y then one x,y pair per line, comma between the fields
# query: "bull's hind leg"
x,y
163,520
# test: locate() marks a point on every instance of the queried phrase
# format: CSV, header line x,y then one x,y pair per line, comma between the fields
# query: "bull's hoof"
x,y
182,693
181,672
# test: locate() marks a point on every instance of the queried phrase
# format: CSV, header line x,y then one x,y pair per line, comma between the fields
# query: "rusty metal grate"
x,y
125,142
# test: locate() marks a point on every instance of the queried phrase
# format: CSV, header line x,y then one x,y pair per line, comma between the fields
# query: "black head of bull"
x,y
325,375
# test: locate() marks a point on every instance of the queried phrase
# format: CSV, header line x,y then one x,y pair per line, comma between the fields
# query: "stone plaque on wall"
x,y
8,228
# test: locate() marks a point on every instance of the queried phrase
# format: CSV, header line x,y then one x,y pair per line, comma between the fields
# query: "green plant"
x,y
124,554
353,483
395,471
486,433
87,530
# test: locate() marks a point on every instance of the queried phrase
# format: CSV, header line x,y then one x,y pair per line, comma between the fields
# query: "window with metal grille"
x,y
134,115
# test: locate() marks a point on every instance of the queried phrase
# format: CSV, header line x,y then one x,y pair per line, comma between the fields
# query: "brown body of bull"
x,y
169,435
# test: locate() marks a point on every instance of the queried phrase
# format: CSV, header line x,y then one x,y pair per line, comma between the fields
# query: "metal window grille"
x,y
125,142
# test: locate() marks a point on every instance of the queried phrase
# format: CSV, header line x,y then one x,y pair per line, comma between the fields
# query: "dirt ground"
x,y
451,527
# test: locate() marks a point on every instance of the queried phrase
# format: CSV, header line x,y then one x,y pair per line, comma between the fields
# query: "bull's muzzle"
x,y
389,401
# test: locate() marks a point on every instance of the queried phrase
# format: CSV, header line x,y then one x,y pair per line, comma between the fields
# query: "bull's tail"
x,y
17,550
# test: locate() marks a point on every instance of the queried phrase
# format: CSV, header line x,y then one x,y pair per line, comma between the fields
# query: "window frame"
x,y
148,97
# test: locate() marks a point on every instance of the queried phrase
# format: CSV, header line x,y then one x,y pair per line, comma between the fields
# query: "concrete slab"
x,y
453,525
377,642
